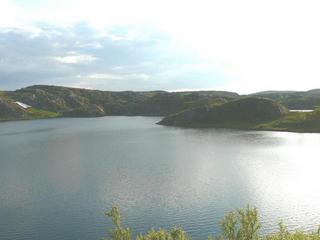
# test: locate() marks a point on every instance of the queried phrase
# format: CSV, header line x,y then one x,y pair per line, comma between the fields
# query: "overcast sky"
x,y
243,46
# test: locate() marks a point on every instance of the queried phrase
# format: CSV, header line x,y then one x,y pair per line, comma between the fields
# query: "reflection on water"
x,y
58,176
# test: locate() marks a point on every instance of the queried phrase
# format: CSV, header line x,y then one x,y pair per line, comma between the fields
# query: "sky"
x,y
243,46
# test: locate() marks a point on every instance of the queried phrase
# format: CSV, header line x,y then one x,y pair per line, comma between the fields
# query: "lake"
x,y
58,176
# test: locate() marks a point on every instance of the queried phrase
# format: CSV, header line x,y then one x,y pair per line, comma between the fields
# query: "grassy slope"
x,y
243,113
237,117
291,122
34,113
295,122
11,111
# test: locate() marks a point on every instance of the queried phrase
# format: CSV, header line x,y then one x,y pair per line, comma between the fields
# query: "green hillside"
x,y
261,111
247,113
294,99
295,122
243,113
9,110
74,102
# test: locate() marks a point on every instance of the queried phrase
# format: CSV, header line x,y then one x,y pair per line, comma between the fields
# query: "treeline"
x,y
241,224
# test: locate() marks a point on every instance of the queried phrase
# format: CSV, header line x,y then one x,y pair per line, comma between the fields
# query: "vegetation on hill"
x,y
9,110
261,111
296,100
242,113
34,113
74,102
295,122
242,224
247,113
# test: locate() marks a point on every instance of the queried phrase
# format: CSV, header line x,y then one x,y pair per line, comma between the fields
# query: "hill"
x,y
10,110
262,111
74,102
241,113
295,122
247,113
297,100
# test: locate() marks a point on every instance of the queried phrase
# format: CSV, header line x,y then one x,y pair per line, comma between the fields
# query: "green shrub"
x,y
117,233
242,224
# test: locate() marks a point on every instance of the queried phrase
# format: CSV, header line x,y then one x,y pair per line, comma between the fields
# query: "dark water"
x,y
57,177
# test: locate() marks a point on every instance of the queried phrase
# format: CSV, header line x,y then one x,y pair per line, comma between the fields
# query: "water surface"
x,y
58,176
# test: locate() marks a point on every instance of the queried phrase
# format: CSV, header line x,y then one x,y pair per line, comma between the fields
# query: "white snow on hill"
x,y
23,105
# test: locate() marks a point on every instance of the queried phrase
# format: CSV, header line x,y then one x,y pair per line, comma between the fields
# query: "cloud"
x,y
244,46
74,59
88,45
108,76
80,56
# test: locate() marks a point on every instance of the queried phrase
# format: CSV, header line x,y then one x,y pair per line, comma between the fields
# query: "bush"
x,y
242,224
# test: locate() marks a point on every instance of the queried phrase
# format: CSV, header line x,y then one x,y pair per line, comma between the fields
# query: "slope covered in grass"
x,y
244,113
295,122
9,110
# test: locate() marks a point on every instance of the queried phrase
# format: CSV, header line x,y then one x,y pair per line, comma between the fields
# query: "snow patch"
x,y
23,105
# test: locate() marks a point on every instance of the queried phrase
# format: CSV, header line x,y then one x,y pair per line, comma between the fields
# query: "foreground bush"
x,y
242,224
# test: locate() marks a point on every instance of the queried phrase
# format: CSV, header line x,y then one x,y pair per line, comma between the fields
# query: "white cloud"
x,y
74,59
105,76
96,45
115,81
9,13
111,76
255,44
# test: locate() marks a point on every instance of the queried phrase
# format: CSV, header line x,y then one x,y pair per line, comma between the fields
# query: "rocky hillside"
x,y
10,110
264,110
84,103
241,113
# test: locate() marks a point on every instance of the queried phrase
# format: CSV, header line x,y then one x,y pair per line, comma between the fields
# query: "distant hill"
x,y
241,113
75,102
262,110
296,100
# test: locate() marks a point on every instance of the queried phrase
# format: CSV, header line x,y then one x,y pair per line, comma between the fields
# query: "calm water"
x,y
57,177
